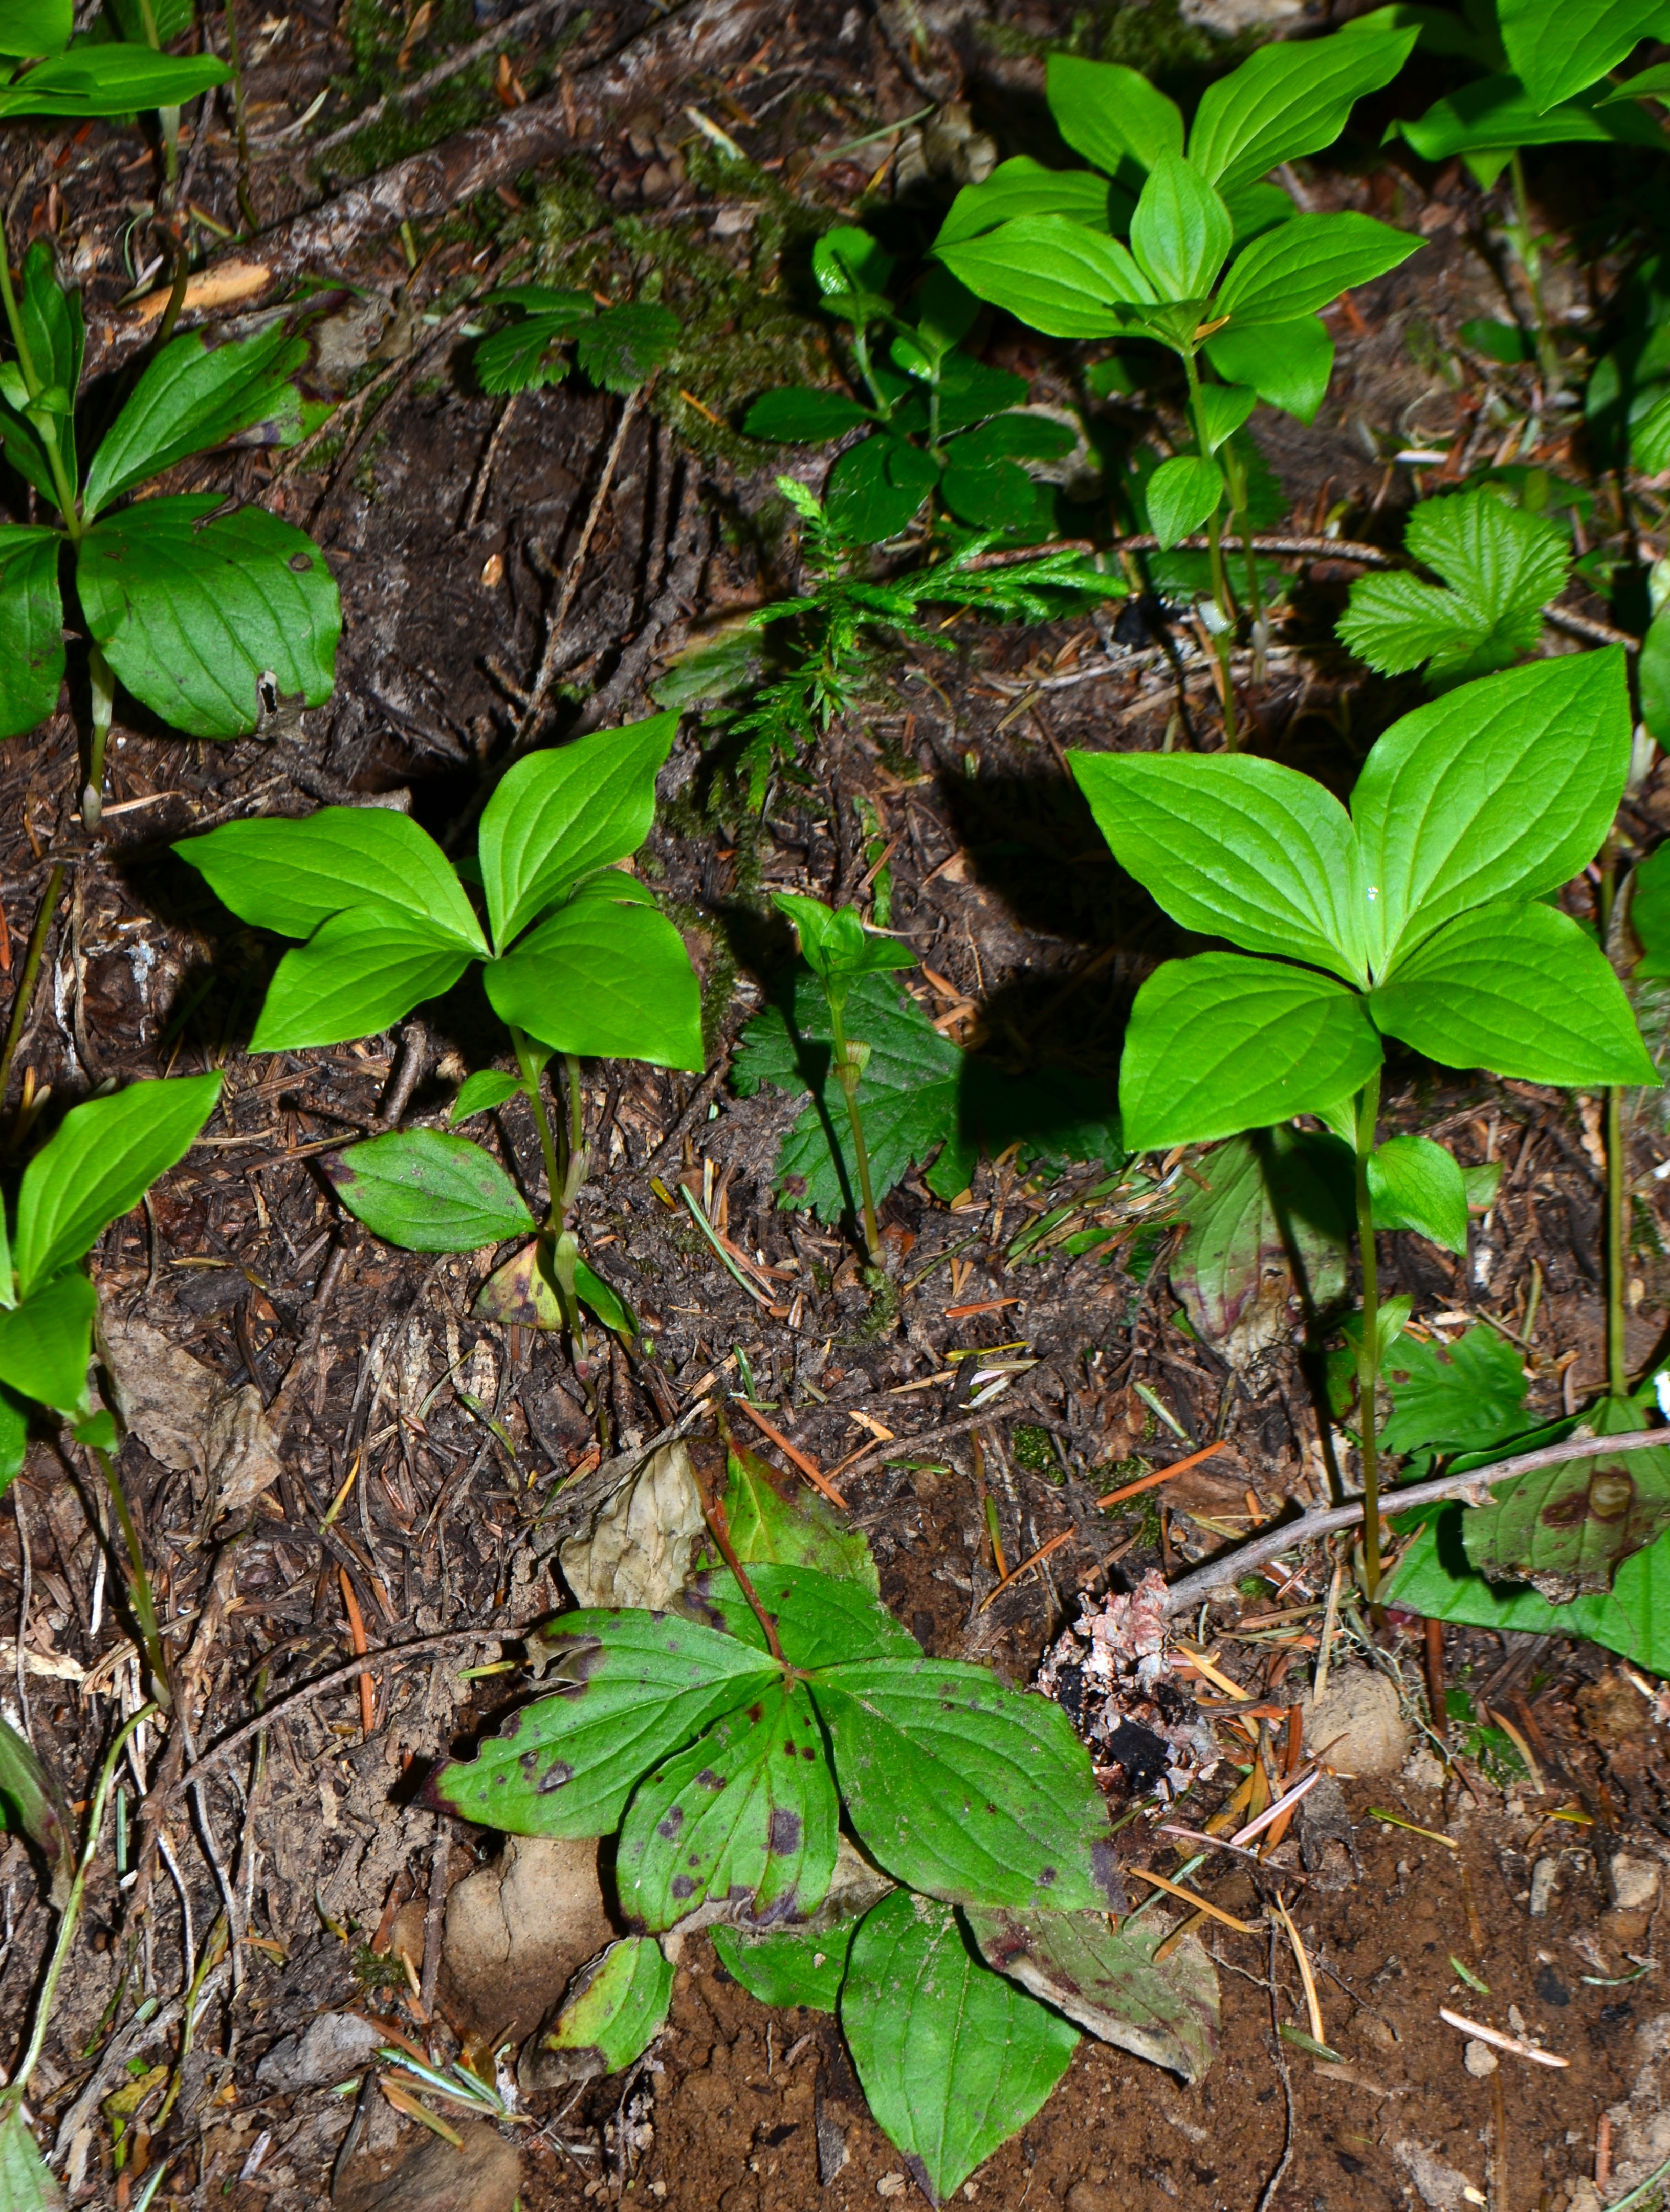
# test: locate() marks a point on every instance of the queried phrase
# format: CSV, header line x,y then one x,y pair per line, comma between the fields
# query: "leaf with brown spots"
x,y
1568,1529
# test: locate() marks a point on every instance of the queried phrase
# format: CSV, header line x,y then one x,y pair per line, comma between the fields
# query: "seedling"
x,y
1219,265
553,332
212,617
948,427
1501,566
98,1165
1415,917
726,1744
580,962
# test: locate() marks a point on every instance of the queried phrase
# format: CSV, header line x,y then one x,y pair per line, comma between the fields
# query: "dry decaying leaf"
x,y
638,1551
187,1416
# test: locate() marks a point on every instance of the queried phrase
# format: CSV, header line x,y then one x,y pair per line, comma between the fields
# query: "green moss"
x,y
1149,36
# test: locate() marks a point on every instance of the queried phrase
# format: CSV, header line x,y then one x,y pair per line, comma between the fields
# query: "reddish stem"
x,y
715,1517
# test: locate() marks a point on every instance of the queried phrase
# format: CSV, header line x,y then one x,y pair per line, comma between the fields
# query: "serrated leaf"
x,y
193,614
1181,233
32,1804
623,346
614,2009
290,876
639,1685
1298,268
603,976
877,486
481,1092
1289,364
110,79
965,1789
1416,1184
1567,1530
788,1968
1271,1197
767,1529
1234,846
558,816
1560,47
1221,1043
1105,1979
47,1341
953,2058
103,1157
1507,786
428,1192
821,1620
31,628
1052,273
801,416
1182,495
1288,99
193,396
1021,186
745,1816
1466,1396
1519,990
27,2184
1110,114
523,357
358,974
1503,564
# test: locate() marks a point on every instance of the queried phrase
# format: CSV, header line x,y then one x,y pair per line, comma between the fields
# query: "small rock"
x,y
1582,2195
1634,1882
518,1930
1358,1727
329,2049
1438,2183
1424,1768
485,2175
1231,19
891,2185
1093,2196
1543,1876
1479,2059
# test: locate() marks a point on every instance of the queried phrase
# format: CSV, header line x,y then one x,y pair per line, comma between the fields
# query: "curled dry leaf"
x,y
189,1418
638,1551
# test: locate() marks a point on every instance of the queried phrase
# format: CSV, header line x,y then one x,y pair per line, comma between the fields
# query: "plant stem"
x,y
12,2096
541,1121
234,55
579,1158
715,1517
848,1072
31,974
1618,1366
143,1603
1528,254
1367,1357
101,683
1224,639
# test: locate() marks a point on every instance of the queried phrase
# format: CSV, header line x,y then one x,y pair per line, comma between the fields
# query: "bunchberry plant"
x,y
1501,565
97,1165
1417,916
1220,267
576,958
945,425
553,332
211,615
726,1744
46,69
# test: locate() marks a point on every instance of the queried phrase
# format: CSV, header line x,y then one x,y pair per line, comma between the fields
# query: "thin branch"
x,y
501,36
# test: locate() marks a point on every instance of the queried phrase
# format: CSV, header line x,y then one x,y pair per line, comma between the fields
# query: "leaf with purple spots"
x,y
745,1817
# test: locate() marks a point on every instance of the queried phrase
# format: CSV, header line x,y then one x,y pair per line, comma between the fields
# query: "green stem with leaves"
x,y
850,1064
1228,613
1368,1355
1528,254
144,1604
1618,1365
562,1177
12,2096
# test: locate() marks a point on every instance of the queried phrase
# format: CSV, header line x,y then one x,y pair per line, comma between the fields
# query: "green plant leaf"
x,y
193,396
1106,1980
290,876
614,2009
991,495
1496,114
603,976
1519,990
969,391
427,1192
1507,786
636,1686
103,1157
31,628
523,356
1503,564
196,616
110,79
1221,1043
954,2059
481,1093
1272,1197
1288,99
1649,911
52,324
834,943
965,1789
28,27
624,346
788,1968
1559,47
26,2181
1654,675
1289,364
875,488
47,1340
1182,231
606,1302
14,1436
1111,114
32,1804
1051,273
797,415
1021,186
1183,495
358,974
1235,846
802,1532
745,1816
558,816
1416,1184
1294,271
1567,1530
1651,83
1222,409
1468,1394
821,1620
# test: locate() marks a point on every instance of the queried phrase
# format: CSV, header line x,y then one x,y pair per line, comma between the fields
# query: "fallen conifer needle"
x,y
1396,1821
1199,1904
1494,2035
